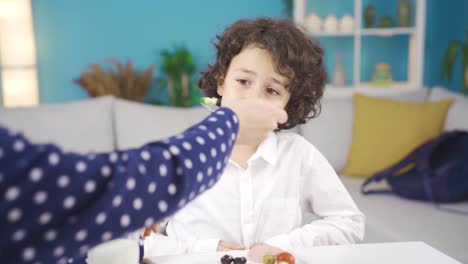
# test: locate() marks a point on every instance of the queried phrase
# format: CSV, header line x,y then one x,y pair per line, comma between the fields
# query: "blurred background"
x,y
67,36
148,55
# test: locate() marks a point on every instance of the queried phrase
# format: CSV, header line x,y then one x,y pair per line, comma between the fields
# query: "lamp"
x,y
18,67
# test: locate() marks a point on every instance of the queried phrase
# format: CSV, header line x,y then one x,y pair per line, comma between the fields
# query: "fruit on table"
x,y
269,259
240,260
286,258
226,259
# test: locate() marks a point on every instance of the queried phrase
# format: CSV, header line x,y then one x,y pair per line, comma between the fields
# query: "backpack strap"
x,y
390,171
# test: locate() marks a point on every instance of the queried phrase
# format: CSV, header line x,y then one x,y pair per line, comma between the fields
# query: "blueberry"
x,y
240,260
226,259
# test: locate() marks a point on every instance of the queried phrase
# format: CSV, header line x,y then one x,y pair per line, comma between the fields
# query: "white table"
x,y
383,253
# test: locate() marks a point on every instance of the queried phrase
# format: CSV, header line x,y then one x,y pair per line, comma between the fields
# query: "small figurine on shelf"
x,y
404,13
347,23
313,23
382,76
331,24
386,22
369,16
339,76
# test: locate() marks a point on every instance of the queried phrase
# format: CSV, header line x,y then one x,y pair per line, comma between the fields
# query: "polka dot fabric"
x,y
56,205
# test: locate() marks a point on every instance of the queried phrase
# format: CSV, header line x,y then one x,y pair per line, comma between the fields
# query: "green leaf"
x,y
449,60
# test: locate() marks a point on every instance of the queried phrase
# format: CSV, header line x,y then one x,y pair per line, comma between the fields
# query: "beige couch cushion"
x,y
82,126
137,124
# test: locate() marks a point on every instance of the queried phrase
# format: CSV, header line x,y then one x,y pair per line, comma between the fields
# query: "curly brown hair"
x,y
295,55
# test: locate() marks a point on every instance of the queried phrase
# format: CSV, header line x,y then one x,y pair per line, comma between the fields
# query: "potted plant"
x,y
122,81
178,67
455,48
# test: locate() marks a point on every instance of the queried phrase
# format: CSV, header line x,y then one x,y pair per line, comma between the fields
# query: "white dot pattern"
x,y
50,235
167,155
137,204
29,254
142,169
45,218
63,181
113,157
54,159
58,251
19,235
200,140
18,146
202,157
35,175
14,215
12,193
131,184
188,164
187,146
90,186
69,202
105,171
163,170
81,235
162,205
101,218
152,188
145,155
81,166
172,189
106,236
125,220
140,182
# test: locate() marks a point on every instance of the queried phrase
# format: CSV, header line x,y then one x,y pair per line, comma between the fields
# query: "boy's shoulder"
x,y
295,141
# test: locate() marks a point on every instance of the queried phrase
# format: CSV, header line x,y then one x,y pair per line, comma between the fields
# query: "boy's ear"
x,y
220,88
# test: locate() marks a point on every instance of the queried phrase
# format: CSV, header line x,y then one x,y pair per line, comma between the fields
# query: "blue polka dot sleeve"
x,y
56,205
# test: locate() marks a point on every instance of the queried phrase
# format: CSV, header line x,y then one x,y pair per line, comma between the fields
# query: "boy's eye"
x,y
272,91
243,81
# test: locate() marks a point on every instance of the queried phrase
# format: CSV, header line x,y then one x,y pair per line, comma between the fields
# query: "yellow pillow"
x,y
385,131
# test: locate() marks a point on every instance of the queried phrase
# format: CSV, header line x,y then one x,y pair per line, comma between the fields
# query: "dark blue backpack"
x,y
440,174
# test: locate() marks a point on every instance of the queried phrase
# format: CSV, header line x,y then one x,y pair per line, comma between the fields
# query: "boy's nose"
x,y
255,93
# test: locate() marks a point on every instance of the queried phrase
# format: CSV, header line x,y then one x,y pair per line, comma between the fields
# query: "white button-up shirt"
x,y
285,177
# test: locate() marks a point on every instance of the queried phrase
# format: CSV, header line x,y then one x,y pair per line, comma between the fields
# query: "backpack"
x,y
440,174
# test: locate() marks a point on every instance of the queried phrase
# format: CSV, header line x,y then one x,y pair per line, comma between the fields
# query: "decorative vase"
x,y
369,16
347,23
404,13
339,76
313,23
382,76
386,22
331,24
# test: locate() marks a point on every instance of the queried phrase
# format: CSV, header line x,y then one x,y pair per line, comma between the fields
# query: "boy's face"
x,y
251,74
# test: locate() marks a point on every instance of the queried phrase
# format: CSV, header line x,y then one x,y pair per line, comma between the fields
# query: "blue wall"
x,y
72,34
445,22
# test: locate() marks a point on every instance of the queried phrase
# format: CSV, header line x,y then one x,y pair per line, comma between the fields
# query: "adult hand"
x,y
256,117
147,231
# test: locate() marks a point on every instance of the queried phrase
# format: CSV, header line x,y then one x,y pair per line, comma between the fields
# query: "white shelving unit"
x,y
415,34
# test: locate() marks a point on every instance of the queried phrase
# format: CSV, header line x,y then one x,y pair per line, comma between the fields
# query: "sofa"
x,y
107,123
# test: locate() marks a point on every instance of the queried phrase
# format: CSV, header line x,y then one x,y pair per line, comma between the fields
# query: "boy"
x,y
265,188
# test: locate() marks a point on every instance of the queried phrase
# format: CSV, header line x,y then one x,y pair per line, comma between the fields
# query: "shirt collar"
x,y
267,149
